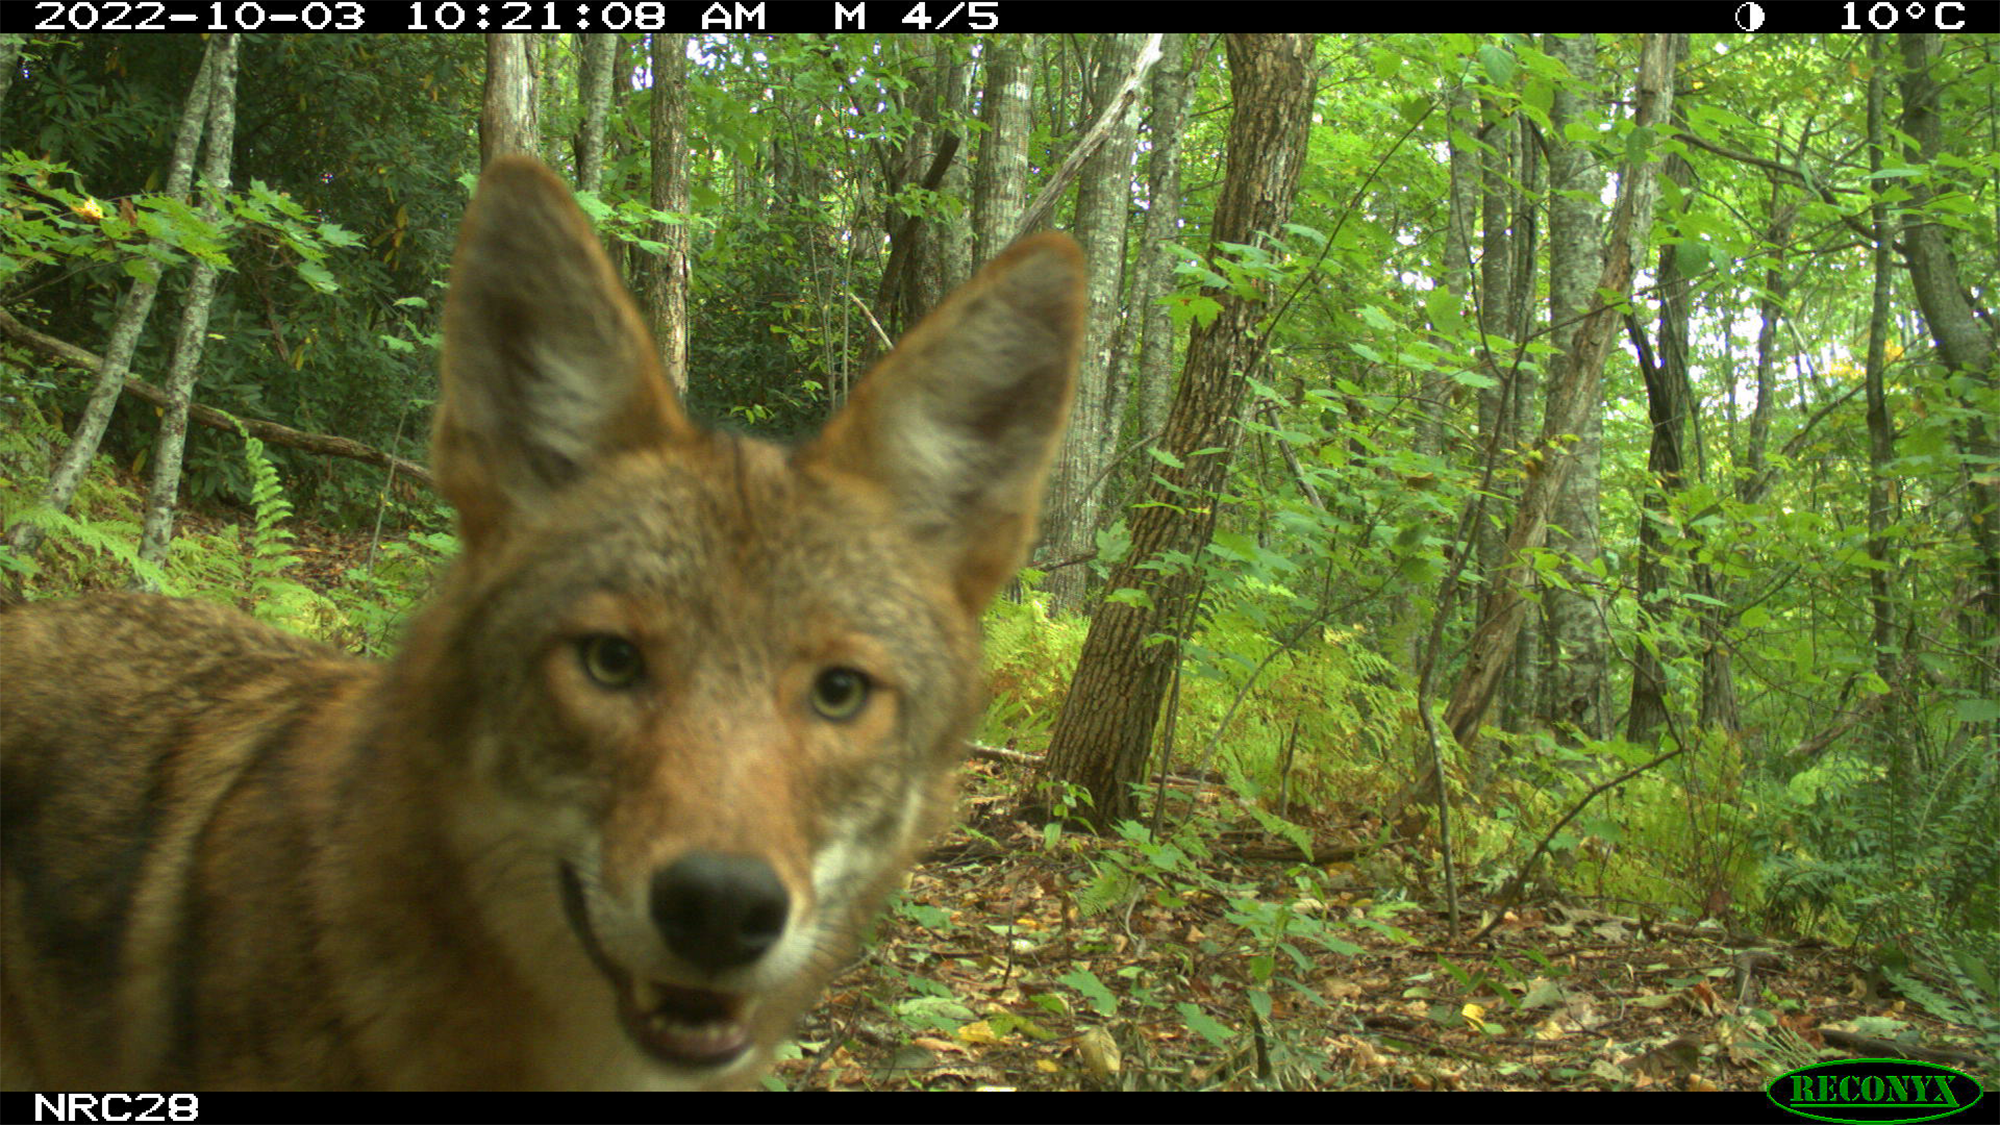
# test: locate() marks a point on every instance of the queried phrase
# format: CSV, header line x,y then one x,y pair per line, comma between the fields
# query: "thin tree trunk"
x,y
1496,172
172,440
667,273
1076,487
1105,728
1660,533
1579,648
1000,185
1439,393
945,251
1964,340
1770,310
594,79
510,117
625,60
10,61
1569,401
1522,683
1163,216
68,471
1881,439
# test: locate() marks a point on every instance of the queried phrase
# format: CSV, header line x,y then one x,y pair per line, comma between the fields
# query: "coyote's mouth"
x,y
680,1026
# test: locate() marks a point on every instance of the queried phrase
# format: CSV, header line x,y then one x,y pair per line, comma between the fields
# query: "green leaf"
x,y
1977,710
1499,64
1375,318
1086,983
316,275
1204,1025
1130,596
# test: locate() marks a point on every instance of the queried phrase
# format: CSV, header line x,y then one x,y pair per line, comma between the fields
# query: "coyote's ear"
x,y
959,422
547,366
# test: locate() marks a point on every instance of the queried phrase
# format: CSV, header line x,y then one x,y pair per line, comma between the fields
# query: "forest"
x,y
1517,606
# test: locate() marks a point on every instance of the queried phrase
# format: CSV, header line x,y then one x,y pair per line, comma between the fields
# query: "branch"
x,y
1824,193
1149,53
271,432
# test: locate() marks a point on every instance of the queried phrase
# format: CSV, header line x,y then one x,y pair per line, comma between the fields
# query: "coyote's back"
x,y
686,707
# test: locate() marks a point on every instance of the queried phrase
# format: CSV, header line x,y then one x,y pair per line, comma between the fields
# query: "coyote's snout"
x,y
685,709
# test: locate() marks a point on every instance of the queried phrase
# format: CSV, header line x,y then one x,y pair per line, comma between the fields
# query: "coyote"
x,y
686,707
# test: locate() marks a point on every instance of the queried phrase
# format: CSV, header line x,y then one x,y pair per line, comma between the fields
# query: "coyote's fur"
x,y
685,709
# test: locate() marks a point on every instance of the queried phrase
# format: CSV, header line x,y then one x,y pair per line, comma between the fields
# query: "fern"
x,y
113,538
276,597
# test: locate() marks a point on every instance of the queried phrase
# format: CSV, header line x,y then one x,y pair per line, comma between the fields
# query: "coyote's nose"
x,y
719,911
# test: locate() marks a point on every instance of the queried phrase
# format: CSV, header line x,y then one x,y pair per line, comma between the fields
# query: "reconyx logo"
x,y
1874,1091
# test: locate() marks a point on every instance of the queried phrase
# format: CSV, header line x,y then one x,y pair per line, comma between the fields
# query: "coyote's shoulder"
x,y
685,707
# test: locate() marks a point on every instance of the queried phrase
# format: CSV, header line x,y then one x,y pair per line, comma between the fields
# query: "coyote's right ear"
x,y
548,368
959,422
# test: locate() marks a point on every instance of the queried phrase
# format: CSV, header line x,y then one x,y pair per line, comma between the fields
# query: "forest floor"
x,y
986,974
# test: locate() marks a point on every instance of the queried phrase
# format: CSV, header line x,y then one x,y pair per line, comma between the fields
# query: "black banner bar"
x,y
877,17
1628,1107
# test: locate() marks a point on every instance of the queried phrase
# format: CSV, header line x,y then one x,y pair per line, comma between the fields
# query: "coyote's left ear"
x,y
959,422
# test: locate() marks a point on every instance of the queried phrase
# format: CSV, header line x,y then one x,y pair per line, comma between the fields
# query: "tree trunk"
x,y
1076,487
1439,393
1964,340
1881,439
945,251
1770,310
1103,733
510,118
1496,172
1522,682
10,61
1660,532
171,442
594,79
1000,185
1578,656
68,471
1163,216
667,274
1569,402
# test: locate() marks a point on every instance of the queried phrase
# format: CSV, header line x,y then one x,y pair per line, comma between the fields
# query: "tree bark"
x,y
1660,533
594,79
944,253
171,442
1076,486
1568,402
1163,216
667,274
1522,683
1881,437
1963,340
1578,657
510,116
1000,185
1493,303
1105,728
10,60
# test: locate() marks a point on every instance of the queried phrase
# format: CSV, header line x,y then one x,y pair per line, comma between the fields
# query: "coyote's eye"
x,y
613,662
839,693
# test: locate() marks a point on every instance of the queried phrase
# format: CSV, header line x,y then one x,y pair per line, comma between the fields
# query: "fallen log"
x,y
269,432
